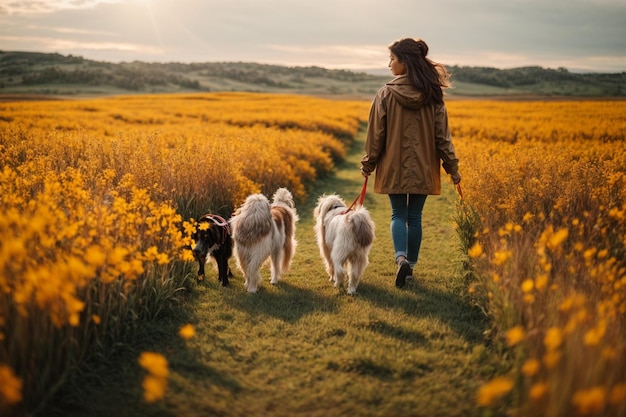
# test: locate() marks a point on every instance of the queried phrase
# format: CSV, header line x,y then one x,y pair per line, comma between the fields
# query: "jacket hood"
x,y
405,93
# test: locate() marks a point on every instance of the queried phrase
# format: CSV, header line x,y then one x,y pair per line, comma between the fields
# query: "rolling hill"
x,y
53,75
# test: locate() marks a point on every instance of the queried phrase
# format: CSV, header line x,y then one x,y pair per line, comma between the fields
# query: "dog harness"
x,y
221,222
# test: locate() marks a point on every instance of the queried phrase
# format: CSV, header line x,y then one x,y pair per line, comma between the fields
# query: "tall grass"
x,y
97,202
544,224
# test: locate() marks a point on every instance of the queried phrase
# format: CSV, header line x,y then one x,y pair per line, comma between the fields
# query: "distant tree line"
x,y
125,78
524,76
41,68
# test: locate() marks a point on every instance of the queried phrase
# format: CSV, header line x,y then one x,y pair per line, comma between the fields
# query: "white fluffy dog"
x,y
261,230
344,238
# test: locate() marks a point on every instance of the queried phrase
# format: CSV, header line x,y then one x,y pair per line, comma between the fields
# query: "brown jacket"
x,y
406,141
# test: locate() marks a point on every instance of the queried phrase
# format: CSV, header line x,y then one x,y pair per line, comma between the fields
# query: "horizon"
x,y
581,36
369,71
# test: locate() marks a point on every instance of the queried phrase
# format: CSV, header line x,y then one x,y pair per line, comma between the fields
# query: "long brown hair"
x,y
427,76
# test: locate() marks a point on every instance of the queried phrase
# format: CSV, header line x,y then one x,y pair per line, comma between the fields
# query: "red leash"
x,y
360,198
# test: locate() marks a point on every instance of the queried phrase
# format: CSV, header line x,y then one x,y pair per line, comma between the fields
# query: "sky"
x,y
580,35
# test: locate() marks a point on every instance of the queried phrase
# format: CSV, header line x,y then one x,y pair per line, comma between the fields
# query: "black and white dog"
x,y
213,242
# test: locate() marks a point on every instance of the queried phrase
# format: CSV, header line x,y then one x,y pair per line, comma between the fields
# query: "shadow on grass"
x,y
420,300
284,301
112,386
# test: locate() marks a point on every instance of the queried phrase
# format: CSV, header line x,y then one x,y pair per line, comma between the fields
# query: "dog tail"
x,y
285,218
362,226
253,220
283,196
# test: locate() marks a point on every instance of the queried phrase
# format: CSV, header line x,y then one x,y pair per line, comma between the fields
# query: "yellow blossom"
x,y
618,394
187,331
538,390
552,359
557,238
553,338
590,401
11,386
589,253
609,353
475,251
493,391
500,257
528,285
541,281
530,367
153,388
95,256
154,363
594,335
515,335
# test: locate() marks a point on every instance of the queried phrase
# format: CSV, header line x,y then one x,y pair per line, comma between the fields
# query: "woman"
x,y
407,137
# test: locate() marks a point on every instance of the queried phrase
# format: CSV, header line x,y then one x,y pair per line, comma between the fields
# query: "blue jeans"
x,y
406,225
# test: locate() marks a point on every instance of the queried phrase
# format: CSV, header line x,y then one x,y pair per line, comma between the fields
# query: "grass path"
x,y
304,348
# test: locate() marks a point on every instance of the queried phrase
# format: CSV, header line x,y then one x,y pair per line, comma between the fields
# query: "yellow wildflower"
x,y
500,257
541,281
557,238
538,391
528,285
154,363
95,256
530,367
618,394
589,253
153,388
594,336
590,401
11,386
551,359
155,383
553,338
475,251
187,331
609,353
515,335
493,390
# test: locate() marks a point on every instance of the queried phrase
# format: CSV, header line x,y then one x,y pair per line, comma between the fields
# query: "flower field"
x,y
97,202
544,222
98,198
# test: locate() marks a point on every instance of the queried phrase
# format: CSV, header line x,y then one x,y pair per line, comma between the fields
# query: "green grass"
x,y
305,348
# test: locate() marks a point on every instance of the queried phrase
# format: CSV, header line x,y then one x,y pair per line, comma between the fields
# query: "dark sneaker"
x,y
410,276
403,270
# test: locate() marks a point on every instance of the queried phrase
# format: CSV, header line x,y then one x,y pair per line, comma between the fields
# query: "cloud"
x,y
335,34
68,46
47,6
